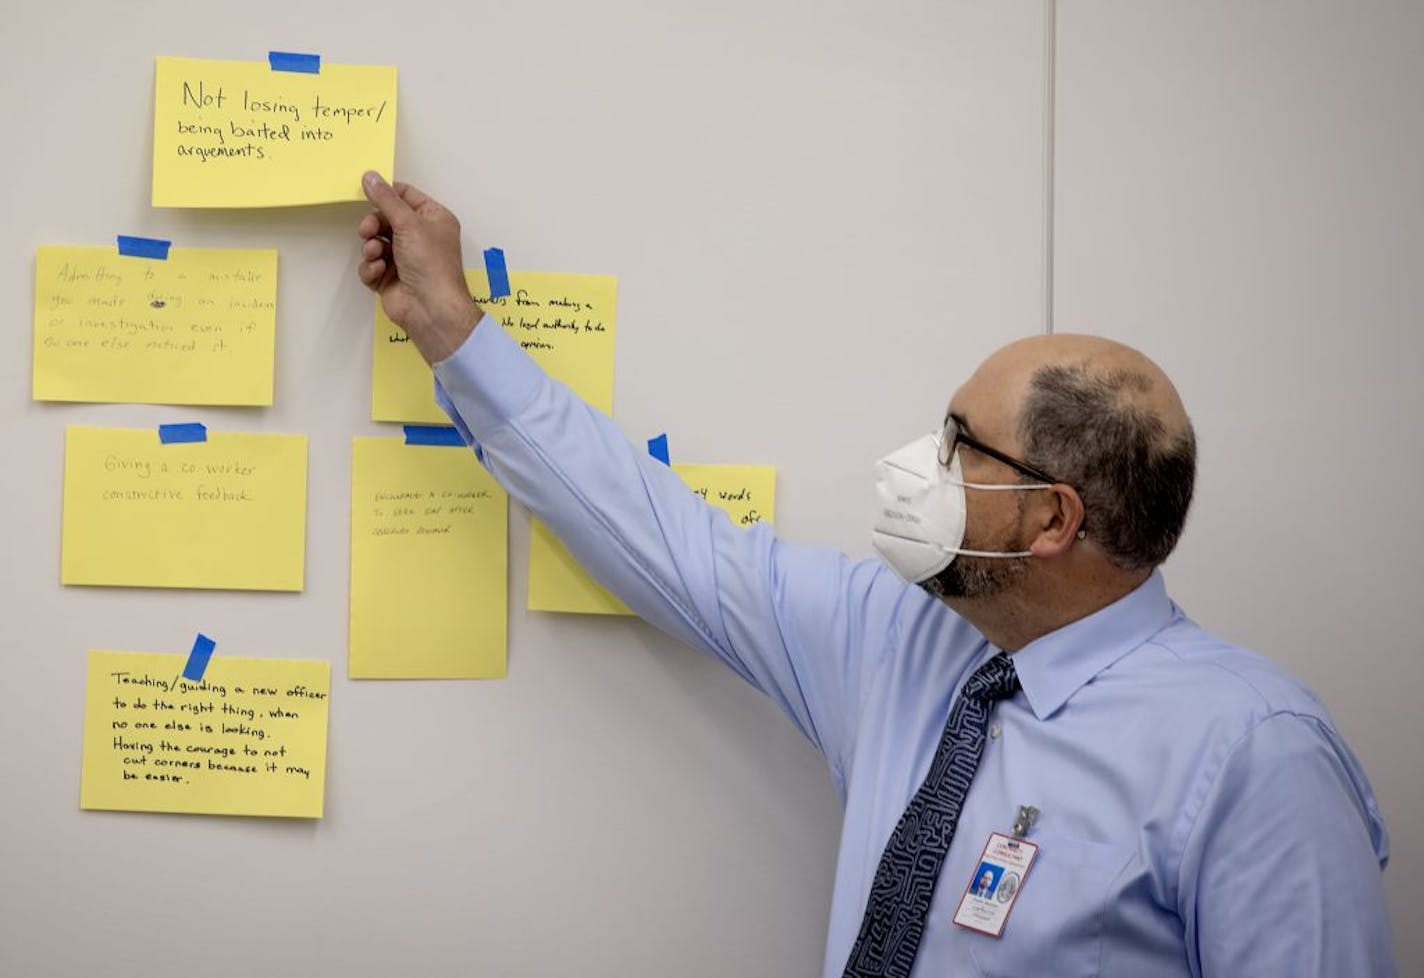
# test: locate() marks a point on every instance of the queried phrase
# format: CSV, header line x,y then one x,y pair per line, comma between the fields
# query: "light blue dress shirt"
x,y
1199,813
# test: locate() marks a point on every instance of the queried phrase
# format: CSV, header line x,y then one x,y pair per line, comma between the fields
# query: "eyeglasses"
x,y
953,436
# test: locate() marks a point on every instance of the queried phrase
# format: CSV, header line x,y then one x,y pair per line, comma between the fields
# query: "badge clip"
x,y
1024,821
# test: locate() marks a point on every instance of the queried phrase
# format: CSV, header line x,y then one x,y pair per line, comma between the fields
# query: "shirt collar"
x,y
1054,667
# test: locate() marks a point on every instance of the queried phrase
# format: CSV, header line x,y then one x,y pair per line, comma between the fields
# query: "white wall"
x,y
1238,194
822,217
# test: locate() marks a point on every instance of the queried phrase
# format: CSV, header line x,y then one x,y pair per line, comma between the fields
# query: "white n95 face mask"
x,y
920,510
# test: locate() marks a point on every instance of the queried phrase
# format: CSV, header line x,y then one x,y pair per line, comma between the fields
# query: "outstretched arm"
x,y
807,626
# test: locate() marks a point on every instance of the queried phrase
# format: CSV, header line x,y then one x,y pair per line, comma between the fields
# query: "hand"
x,y
410,257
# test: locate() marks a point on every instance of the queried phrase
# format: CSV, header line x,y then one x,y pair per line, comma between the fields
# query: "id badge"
x,y
998,880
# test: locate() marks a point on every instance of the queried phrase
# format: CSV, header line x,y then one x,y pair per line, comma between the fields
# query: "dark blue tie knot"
x,y
993,681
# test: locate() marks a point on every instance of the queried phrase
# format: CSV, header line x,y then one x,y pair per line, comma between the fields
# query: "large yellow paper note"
x,y
239,134
249,739
198,328
229,512
565,322
429,531
557,582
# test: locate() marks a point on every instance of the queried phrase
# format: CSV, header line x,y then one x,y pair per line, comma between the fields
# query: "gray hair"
x,y
1088,427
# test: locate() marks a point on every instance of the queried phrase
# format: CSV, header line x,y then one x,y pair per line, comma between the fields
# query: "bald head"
x,y
1101,417
1135,382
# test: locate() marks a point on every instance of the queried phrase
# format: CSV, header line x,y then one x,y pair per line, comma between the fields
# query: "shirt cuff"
x,y
489,379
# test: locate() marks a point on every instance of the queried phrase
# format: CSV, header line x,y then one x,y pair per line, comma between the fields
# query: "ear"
x,y
1058,520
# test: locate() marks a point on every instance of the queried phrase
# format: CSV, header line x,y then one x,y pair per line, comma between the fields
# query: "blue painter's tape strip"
x,y
144,247
658,448
495,271
177,434
307,64
198,658
433,434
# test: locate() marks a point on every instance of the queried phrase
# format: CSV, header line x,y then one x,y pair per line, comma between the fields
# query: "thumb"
x,y
385,199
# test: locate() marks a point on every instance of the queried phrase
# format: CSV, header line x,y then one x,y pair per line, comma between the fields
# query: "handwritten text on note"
x,y
564,321
229,512
238,134
198,328
250,739
429,529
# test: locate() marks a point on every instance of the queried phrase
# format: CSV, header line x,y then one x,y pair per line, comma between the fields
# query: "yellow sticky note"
x,y
557,582
229,512
249,739
239,134
198,328
429,532
565,321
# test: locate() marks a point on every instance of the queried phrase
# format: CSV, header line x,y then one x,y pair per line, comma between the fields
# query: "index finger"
x,y
412,195
372,226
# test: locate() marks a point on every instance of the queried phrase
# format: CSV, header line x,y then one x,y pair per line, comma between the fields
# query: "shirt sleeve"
x,y
806,626
1280,874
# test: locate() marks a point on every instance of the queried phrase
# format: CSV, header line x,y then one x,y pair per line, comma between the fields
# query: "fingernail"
x,y
372,180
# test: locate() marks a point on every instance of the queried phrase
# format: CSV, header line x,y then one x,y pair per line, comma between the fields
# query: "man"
x,y
985,886
1171,804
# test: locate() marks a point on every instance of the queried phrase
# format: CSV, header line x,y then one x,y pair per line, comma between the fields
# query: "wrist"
x,y
449,329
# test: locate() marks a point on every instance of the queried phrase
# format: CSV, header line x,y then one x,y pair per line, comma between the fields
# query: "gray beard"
x,y
981,577
976,577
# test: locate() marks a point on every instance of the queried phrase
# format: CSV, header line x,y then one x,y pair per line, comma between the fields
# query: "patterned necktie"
x,y
905,880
